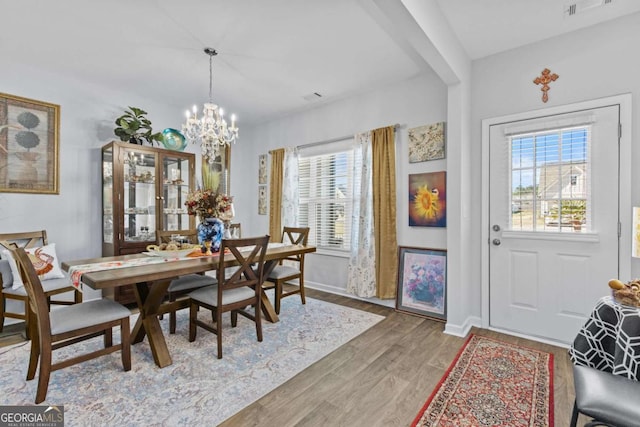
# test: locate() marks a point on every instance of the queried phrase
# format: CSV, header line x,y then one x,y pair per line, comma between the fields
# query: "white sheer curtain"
x,y
361,279
289,190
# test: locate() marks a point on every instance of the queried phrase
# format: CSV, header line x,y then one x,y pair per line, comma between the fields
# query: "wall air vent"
x,y
312,96
575,7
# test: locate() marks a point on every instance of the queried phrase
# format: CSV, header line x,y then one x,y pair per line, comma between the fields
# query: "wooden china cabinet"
x,y
143,191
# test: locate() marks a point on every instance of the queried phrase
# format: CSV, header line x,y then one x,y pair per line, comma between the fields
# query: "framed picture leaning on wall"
x,y
422,282
29,134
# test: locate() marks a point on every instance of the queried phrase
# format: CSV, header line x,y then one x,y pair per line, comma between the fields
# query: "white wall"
x,y
87,113
592,63
418,101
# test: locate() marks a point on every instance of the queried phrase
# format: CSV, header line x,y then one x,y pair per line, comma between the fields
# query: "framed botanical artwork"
x,y
262,169
428,199
422,282
426,143
29,138
262,199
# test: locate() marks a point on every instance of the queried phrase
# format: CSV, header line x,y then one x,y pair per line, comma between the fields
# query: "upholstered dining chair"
x,y
234,293
611,400
284,273
68,325
182,285
27,240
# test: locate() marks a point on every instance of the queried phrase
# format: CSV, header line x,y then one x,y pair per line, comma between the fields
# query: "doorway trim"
x,y
624,178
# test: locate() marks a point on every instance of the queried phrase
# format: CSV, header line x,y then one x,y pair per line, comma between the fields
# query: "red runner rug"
x,y
492,383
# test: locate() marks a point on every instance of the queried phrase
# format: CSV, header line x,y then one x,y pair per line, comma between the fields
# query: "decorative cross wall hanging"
x,y
544,79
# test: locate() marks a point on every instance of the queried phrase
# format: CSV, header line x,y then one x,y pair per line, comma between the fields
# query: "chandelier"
x,y
211,130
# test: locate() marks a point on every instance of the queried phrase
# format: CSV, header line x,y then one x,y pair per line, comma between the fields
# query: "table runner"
x,y
76,271
610,339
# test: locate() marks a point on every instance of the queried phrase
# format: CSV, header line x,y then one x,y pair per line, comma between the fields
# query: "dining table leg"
x,y
267,308
149,299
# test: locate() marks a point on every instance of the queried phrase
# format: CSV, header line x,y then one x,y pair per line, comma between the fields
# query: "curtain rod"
x,y
329,141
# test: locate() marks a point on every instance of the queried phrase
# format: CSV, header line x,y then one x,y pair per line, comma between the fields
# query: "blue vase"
x,y
211,229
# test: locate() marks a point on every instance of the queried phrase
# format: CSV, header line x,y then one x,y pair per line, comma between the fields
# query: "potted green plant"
x,y
135,127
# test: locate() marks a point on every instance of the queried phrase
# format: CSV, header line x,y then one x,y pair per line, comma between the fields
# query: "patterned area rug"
x,y
492,383
198,388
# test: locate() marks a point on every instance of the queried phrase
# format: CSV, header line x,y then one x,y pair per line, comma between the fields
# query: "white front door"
x,y
554,220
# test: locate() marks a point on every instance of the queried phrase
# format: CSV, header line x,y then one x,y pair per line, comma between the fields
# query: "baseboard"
x,y
532,337
463,330
342,292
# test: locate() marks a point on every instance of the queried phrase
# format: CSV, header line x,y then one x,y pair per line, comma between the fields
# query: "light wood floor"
x,y
380,378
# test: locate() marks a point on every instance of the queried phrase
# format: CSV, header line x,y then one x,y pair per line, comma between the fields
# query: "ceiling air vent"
x,y
312,96
575,7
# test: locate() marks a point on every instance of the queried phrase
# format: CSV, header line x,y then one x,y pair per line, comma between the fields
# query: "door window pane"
x,y
550,183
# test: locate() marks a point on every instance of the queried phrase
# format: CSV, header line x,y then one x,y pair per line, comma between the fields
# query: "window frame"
x,y
314,156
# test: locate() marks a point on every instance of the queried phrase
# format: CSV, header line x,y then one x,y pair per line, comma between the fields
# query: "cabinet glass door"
x,y
107,195
175,187
139,197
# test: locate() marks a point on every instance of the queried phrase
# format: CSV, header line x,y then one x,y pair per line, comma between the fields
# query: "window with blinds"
x,y
550,180
325,198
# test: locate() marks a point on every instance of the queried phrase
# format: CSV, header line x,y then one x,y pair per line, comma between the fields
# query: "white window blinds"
x,y
325,196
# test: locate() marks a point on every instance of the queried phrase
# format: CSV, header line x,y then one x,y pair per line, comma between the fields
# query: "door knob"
x,y
496,242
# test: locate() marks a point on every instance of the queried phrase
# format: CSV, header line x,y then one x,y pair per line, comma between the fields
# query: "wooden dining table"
x,y
151,281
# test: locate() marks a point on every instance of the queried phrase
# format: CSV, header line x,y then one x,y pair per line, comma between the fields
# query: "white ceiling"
x,y
272,53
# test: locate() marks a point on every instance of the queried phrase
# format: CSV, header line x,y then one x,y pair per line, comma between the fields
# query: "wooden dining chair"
x,y
29,240
284,273
234,293
182,285
66,326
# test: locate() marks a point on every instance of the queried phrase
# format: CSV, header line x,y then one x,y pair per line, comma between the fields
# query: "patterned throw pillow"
x,y
44,260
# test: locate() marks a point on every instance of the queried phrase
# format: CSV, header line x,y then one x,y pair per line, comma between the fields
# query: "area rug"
x,y
492,383
198,388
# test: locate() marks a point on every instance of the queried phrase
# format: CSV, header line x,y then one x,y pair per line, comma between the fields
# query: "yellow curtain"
x,y
384,210
275,194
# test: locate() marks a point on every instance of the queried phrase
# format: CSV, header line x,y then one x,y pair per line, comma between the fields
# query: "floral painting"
x,y
262,199
428,199
262,169
422,282
426,143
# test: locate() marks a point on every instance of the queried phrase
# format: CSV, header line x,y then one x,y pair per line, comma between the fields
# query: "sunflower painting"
x,y
428,199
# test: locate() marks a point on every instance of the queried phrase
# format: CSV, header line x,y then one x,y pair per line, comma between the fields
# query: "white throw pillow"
x,y
44,259
17,277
